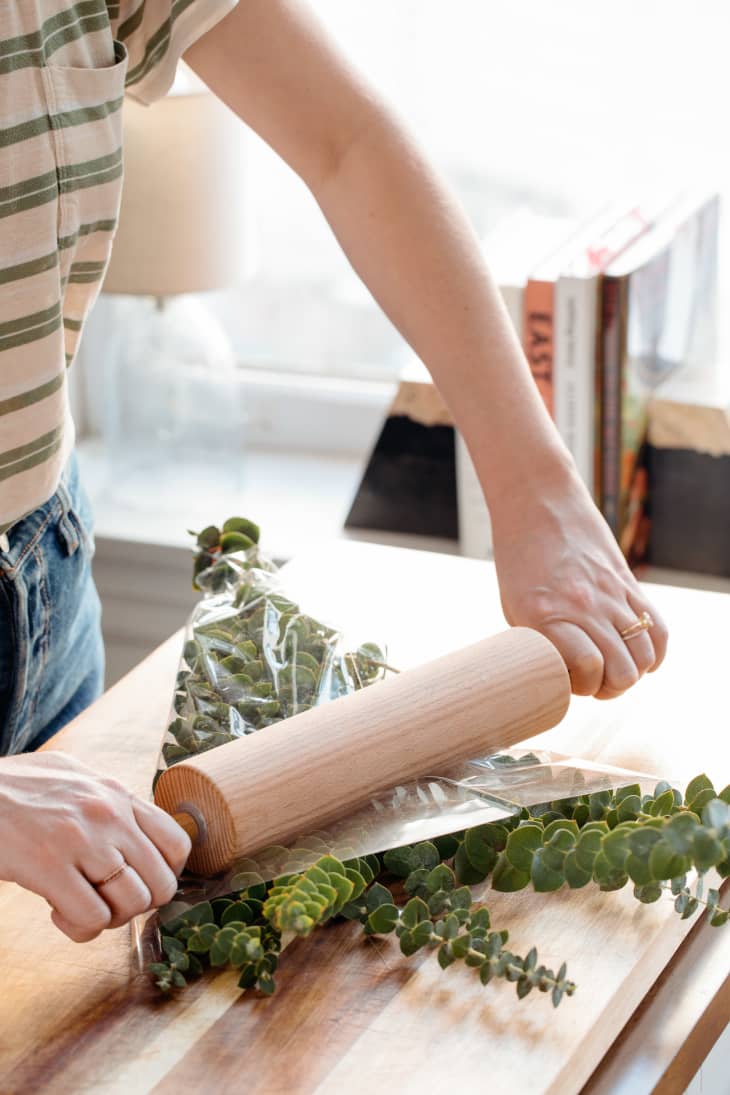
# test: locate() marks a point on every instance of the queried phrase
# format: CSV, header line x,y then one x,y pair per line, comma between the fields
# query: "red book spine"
x,y
611,353
538,338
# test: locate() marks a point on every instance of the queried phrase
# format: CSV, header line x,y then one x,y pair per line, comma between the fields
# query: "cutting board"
x,y
350,1013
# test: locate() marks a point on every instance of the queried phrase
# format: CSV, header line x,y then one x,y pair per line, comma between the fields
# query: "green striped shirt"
x,y
64,71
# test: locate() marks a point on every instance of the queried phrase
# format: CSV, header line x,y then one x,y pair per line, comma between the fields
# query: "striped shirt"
x,y
64,69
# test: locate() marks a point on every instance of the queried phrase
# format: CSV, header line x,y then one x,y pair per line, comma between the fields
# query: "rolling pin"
x,y
305,771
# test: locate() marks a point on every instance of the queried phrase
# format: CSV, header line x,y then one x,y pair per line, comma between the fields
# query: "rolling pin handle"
x,y
192,821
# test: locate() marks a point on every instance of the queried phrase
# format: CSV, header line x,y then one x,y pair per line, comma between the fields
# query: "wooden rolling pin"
x,y
305,771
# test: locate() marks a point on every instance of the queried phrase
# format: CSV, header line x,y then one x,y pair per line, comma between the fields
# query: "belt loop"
x,y
66,527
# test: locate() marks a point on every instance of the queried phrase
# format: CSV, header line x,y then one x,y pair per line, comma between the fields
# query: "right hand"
x,y
64,828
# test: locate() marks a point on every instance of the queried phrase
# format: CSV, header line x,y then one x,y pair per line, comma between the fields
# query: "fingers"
x,y
78,910
150,866
581,655
166,835
599,663
126,896
658,634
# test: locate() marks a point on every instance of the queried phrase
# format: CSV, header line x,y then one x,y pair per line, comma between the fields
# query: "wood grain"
x,y
352,1014
303,773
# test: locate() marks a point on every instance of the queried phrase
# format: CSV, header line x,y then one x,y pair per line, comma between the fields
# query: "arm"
x,y
558,565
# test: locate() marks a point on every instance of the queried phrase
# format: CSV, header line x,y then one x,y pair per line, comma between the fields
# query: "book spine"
x,y
537,337
574,390
475,526
598,390
613,291
513,297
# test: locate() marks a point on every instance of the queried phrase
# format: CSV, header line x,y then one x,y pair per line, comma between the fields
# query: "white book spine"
x,y
574,392
475,527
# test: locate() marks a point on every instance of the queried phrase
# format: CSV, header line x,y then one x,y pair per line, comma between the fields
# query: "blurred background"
x,y
265,391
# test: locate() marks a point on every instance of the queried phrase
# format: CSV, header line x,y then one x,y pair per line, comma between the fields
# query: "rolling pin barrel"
x,y
305,771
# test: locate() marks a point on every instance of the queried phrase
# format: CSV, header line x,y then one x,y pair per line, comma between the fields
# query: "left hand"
x,y
561,572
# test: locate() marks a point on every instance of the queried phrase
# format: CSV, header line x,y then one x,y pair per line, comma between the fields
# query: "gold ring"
x,y
112,875
641,623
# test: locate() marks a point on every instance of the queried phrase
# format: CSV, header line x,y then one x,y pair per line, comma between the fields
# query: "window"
x,y
554,104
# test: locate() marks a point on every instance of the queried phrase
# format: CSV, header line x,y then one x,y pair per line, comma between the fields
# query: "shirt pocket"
x,y
85,111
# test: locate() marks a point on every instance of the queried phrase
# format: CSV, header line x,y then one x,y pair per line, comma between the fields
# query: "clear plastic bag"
x,y
252,657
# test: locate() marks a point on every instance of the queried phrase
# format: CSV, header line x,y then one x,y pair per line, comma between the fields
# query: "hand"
x,y
561,572
64,828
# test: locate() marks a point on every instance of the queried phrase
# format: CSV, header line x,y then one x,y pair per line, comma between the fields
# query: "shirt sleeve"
x,y
156,33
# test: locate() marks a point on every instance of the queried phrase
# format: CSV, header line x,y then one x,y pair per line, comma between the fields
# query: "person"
x,y
98,855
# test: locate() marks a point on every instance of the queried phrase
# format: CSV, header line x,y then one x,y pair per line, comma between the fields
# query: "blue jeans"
x,y
51,650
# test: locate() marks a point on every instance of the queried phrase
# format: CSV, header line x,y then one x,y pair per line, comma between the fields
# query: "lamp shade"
x,y
181,220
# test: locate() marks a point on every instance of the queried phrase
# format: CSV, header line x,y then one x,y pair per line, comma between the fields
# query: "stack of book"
x,y
606,312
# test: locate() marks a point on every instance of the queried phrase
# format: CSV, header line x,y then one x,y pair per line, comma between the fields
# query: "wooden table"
x,y
350,1013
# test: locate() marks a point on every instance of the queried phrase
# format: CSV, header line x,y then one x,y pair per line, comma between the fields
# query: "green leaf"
x,y
447,845
480,919
649,893
695,786
445,958
199,914
629,808
642,840
562,824
701,800
485,973
383,919
238,911
598,804
606,875
633,790
707,851
664,804
664,863
414,912
400,861
545,879
588,847
422,933
440,878
376,896
616,848
679,832
408,944
638,871
235,541
506,878
209,538
725,794
460,945
720,918
240,524
482,843
575,875
465,870
716,814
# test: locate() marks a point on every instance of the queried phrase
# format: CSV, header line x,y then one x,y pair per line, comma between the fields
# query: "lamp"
x,y
174,392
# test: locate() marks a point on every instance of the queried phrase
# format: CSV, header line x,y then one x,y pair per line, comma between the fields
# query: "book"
x,y
576,379
540,302
516,244
659,315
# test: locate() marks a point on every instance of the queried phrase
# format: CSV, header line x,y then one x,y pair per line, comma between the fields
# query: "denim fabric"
x,y
51,650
